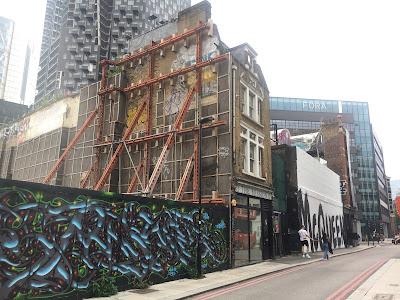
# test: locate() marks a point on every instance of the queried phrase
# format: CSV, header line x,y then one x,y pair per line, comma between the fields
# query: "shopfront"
x,y
252,229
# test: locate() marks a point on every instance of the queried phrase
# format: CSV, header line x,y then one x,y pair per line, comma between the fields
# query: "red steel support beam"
x,y
134,180
100,122
69,147
164,134
111,164
198,61
148,120
85,179
196,137
160,45
184,179
164,152
166,76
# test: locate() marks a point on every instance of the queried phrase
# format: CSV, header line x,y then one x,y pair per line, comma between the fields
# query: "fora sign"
x,y
313,106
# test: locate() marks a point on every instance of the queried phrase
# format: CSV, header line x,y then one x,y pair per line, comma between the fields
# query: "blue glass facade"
x,y
363,160
306,115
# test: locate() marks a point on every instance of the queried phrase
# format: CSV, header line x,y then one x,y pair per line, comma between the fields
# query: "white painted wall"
x,y
321,187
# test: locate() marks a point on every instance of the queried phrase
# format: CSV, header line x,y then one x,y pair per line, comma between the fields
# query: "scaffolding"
x,y
143,175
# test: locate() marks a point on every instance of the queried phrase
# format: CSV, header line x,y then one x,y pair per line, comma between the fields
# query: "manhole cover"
x,y
143,291
384,297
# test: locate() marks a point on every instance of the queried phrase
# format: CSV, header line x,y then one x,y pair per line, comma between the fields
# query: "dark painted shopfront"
x,y
252,225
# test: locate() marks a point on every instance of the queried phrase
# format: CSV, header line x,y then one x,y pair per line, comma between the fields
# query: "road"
x,y
332,279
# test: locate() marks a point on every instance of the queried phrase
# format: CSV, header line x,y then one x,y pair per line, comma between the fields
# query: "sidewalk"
x,y
183,288
383,284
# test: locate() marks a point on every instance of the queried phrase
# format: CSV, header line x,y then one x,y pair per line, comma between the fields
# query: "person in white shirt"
x,y
304,236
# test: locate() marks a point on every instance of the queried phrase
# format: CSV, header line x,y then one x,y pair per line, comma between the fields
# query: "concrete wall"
x,y
319,200
32,145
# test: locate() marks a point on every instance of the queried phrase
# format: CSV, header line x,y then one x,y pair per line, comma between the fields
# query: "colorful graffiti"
x,y
58,242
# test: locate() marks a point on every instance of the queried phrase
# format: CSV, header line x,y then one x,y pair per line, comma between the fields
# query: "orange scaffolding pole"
x,y
85,179
134,180
158,136
111,164
69,147
166,76
184,179
100,120
147,147
164,153
155,47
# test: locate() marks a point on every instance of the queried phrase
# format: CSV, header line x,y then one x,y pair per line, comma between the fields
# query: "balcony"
x,y
81,24
80,40
77,76
92,58
115,32
72,49
91,76
90,16
121,42
84,67
82,7
128,33
69,84
78,58
71,66
129,16
116,16
77,15
114,49
87,49
89,33
122,25
74,32
83,83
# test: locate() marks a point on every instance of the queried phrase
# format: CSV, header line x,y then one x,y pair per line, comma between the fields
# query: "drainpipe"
x,y
232,76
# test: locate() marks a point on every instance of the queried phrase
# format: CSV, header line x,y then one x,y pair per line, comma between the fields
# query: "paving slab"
x,y
384,284
183,288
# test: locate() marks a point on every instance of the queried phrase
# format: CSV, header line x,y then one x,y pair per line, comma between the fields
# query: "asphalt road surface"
x,y
335,279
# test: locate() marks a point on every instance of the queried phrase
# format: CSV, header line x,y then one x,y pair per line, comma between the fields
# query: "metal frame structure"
x,y
148,181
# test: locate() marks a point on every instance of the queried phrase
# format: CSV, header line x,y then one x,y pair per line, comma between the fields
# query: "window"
x,y
250,104
260,161
252,147
259,107
252,156
243,98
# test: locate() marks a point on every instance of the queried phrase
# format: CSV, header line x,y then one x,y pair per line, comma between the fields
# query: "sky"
x,y
340,50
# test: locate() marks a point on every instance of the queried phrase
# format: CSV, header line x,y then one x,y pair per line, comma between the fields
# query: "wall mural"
x,y
58,242
316,221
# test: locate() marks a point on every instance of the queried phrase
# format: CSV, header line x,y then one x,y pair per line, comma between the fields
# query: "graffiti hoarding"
x,y
58,242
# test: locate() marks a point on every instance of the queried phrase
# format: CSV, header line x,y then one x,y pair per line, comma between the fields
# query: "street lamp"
x,y
202,121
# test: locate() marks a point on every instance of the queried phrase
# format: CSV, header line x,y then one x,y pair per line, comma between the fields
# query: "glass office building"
x,y
302,116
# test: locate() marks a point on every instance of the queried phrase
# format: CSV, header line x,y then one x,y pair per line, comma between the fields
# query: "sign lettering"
x,y
313,106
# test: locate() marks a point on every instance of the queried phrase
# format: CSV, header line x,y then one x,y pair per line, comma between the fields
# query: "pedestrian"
x,y
304,235
325,245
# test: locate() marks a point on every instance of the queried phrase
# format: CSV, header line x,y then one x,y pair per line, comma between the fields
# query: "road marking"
x,y
250,282
345,290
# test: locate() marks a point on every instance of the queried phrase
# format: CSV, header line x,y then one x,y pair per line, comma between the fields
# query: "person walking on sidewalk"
x,y
304,236
325,245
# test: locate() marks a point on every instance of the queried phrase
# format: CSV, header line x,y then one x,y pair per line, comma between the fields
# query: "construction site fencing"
x,y
61,242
